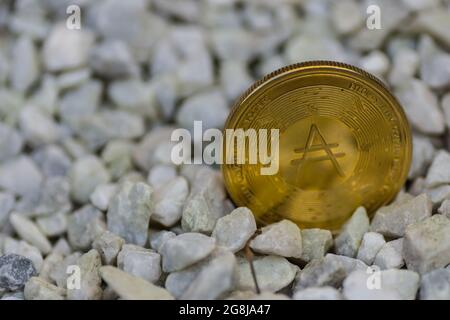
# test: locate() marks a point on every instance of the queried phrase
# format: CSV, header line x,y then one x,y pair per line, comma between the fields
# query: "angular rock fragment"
x,y
140,262
349,240
315,243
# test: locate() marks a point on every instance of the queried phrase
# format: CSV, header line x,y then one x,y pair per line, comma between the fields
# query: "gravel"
x,y
86,177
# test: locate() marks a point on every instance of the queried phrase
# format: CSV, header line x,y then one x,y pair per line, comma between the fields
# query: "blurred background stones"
x,y
86,177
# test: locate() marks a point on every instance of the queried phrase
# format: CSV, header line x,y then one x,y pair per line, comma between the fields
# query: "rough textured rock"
x,y
102,195
390,255
371,244
315,243
159,238
392,220
439,171
15,271
349,240
140,262
435,285
83,226
185,250
90,284
129,287
129,212
30,232
235,229
21,176
38,289
426,245
318,293
108,245
282,238
273,273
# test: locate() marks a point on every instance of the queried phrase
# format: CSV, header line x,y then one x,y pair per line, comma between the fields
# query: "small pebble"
x,y
15,271
108,245
349,240
316,243
140,262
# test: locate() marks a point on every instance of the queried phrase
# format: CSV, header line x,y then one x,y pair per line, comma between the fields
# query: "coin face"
x,y
344,142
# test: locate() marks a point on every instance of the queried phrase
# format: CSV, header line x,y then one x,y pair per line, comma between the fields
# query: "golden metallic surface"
x,y
344,142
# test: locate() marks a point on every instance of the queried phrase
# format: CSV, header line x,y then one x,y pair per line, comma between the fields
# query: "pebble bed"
x,y
86,178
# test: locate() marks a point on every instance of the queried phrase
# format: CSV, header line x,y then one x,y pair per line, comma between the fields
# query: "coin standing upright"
x,y
344,142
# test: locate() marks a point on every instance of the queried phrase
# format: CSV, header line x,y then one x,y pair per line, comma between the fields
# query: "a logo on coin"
x,y
311,146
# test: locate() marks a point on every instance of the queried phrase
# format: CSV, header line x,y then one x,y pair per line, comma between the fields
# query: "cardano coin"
x,y
344,142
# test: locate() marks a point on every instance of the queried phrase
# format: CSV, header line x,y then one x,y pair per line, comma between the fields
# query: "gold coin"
x,y
344,142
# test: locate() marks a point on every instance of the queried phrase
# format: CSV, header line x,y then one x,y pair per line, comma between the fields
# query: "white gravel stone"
x,y
390,255
49,264
113,59
21,176
235,229
235,79
404,67
318,293
117,157
140,262
159,238
80,102
7,203
85,175
11,142
204,205
423,154
315,243
273,273
346,16
435,285
376,62
54,225
129,287
102,195
169,201
349,240
439,171
129,212
90,284
38,289
282,238
435,22
445,102
185,250
71,79
108,245
426,245
394,285
66,49
59,272
371,244
30,232
160,174
193,109
392,220
421,107
25,64
444,209
83,227
52,160
434,63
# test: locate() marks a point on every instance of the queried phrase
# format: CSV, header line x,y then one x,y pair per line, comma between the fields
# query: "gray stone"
x,y
215,280
85,175
11,142
235,78
160,174
273,273
117,157
25,64
439,171
59,271
404,67
426,245
66,49
102,195
438,194
193,109
315,243
281,238
129,212
21,176
80,102
390,255
444,209
90,284
434,64
62,247
22,248
435,22
54,197
7,203
318,293
346,16
376,62
185,250
169,201
108,245
52,160
38,289
129,287
421,107
83,227
349,240
435,285
113,59
30,232
159,238
423,153
392,220
371,244
235,229
204,205
140,262
445,102
49,264
15,271
71,79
